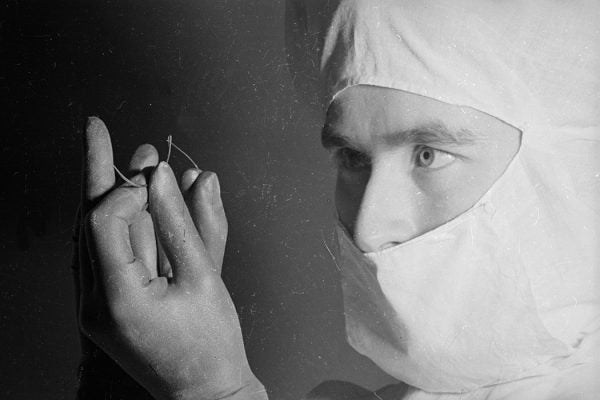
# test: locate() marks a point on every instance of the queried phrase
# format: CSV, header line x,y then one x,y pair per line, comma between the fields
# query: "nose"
x,y
389,210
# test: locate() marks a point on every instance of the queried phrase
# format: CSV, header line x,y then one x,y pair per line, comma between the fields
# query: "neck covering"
x,y
534,64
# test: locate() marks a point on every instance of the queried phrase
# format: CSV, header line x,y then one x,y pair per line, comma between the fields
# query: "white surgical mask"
x,y
452,310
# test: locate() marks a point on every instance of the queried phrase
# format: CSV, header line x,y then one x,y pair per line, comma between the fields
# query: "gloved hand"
x,y
178,337
99,376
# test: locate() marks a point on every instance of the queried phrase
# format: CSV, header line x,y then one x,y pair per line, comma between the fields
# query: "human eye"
x,y
350,159
427,157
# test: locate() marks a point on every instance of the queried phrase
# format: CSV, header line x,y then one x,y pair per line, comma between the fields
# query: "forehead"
x,y
366,114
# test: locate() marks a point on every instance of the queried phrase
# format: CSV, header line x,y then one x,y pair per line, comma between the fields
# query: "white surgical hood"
x,y
534,64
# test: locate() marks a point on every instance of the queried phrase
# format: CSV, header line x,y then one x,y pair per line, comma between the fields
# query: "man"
x,y
464,134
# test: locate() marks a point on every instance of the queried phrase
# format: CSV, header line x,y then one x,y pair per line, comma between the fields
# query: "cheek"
x,y
447,195
458,190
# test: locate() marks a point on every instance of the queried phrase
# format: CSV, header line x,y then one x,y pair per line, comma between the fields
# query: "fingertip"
x,y
148,151
139,180
95,125
163,172
98,175
161,168
188,178
145,156
97,138
147,147
207,187
206,179
162,182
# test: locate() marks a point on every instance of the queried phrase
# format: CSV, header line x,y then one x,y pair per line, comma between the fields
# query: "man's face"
x,y
407,163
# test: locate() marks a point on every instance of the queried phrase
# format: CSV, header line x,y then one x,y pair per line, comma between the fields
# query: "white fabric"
x,y
534,64
453,310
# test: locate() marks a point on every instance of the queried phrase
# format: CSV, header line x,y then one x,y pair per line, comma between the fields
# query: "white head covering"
x,y
527,61
534,64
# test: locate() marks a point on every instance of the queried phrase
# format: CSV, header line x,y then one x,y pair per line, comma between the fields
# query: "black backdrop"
x,y
213,74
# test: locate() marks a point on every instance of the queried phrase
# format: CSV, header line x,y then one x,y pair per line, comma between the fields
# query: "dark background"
x,y
214,75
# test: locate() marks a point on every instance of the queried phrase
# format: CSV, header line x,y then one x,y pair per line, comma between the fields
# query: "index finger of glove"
x,y
115,269
98,175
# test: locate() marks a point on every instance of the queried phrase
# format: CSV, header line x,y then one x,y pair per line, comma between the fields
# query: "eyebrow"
x,y
430,134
